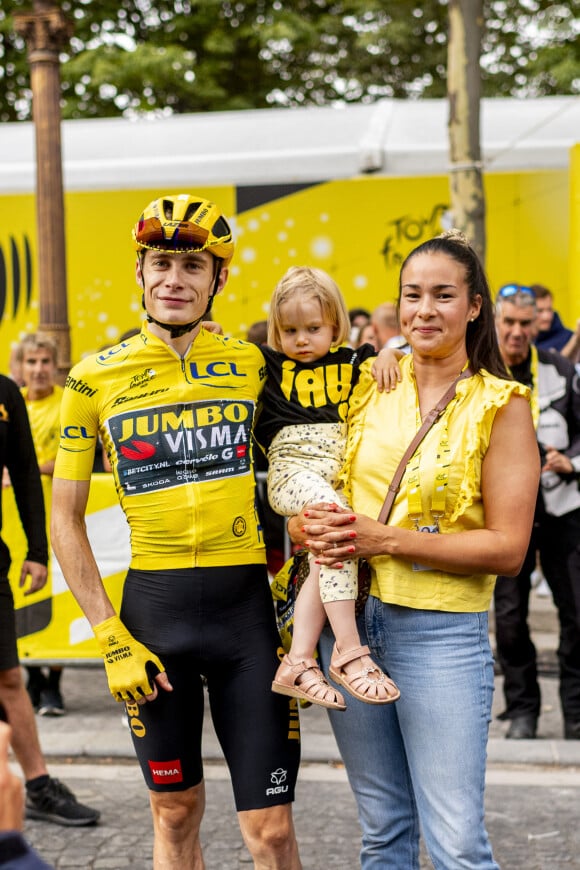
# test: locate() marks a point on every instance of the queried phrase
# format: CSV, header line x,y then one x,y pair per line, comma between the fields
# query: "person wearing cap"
x,y
555,387
174,407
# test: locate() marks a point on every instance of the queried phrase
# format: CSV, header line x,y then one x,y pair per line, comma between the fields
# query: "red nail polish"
x,y
351,549
352,518
352,534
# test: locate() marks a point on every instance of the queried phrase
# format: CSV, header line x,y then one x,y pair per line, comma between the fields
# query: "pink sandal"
x,y
313,686
360,684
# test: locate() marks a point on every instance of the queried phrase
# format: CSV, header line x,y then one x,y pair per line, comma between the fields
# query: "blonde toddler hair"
x,y
310,283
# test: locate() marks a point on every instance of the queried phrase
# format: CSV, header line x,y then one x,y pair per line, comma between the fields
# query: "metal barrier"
x,y
51,627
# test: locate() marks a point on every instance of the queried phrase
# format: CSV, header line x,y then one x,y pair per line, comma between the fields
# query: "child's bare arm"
x,y
386,370
212,326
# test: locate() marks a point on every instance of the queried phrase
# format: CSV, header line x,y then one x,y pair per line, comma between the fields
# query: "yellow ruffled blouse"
x,y
381,427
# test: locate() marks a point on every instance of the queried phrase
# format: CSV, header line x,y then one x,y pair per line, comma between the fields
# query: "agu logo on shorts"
x,y
278,778
166,771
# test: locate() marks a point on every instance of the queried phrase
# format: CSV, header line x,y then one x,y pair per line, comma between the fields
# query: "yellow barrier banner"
x,y
50,625
359,230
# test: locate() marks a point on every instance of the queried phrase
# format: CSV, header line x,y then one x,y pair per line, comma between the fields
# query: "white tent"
x,y
277,146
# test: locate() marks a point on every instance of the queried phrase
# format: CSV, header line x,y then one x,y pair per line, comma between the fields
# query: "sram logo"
x,y
166,771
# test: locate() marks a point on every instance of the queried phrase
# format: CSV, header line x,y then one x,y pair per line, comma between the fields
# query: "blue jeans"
x,y
420,763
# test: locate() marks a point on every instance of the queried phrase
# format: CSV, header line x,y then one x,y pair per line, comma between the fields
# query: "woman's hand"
x,y
557,462
328,520
334,534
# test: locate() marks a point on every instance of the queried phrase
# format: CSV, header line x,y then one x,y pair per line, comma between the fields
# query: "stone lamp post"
x,y
46,31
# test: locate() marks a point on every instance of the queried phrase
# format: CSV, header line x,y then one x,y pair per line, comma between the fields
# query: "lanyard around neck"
x,y
439,491
431,418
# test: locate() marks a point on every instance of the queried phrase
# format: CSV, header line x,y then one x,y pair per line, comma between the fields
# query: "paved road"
x,y
533,790
532,817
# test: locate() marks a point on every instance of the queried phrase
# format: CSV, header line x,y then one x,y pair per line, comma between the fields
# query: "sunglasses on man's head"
x,y
512,289
151,232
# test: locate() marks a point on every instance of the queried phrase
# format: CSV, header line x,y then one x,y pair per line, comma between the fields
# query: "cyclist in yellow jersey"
x,y
37,356
174,408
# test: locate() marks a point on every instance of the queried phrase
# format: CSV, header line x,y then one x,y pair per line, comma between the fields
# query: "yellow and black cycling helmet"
x,y
183,223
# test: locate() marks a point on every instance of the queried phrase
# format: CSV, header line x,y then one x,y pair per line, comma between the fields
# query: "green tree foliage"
x,y
134,56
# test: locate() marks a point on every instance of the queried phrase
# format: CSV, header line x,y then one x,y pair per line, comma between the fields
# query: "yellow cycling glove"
x,y
126,661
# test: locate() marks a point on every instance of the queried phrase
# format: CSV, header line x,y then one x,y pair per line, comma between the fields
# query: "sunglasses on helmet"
x,y
151,232
511,290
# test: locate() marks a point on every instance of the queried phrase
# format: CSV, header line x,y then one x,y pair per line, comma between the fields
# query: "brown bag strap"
x,y
431,417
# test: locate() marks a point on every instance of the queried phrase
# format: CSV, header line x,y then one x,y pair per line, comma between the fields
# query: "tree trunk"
x,y
464,93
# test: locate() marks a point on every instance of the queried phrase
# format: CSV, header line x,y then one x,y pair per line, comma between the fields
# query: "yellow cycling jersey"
x,y
177,433
44,416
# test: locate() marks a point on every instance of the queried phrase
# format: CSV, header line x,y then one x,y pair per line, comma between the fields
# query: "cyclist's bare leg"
x,y
176,821
270,837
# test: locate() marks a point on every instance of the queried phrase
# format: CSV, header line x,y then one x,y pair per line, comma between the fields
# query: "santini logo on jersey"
x,y
79,386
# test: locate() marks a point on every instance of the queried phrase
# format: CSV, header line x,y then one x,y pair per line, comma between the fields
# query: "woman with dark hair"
x,y
462,515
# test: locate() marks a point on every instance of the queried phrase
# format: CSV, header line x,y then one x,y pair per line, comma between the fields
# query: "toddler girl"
x,y
302,429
